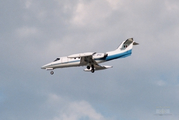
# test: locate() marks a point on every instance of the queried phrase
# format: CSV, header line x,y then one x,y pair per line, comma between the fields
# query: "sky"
x,y
33,33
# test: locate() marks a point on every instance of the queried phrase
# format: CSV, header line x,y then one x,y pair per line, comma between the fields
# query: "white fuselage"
x,y
92,59
71,61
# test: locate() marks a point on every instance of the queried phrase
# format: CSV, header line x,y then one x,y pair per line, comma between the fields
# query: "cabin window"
x,y
57,59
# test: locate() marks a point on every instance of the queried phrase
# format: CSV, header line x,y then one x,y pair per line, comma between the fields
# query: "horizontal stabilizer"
x,y
135,43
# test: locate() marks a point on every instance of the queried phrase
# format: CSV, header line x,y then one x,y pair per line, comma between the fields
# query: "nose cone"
x,y
47,66
43,67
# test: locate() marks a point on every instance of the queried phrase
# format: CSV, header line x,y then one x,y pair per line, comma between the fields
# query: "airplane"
x,y
92,59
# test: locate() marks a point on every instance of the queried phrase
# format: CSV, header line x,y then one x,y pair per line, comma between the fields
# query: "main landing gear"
x,y
92,68
51,72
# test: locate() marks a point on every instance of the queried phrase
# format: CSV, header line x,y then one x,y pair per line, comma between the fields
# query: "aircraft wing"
x,y
89,61
98,67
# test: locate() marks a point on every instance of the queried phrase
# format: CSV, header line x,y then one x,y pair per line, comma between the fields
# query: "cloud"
x,y
79,110
160,83
90,13
25,32
40,31
171,5
28,4
115,4
74,110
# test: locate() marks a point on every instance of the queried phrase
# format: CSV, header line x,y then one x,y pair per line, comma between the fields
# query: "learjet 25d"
x,y
92,59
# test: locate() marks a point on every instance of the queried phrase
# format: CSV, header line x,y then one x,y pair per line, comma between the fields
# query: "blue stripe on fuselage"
x,y
119,55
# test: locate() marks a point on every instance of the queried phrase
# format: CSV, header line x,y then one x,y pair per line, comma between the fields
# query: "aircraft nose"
x,y
43,67
46,66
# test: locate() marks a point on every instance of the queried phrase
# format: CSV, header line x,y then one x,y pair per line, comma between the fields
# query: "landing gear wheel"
x,y
92,70
88,67
51,72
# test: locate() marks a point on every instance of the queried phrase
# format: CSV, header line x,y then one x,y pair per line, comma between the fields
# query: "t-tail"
x,y
124,50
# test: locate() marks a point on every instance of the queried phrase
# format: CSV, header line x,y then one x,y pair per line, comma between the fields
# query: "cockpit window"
x,y
57,59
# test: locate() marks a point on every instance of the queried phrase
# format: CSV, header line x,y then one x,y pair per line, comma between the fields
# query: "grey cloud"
x,y
35,32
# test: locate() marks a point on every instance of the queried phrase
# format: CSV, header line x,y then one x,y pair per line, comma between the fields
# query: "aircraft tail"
x,y
127,44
